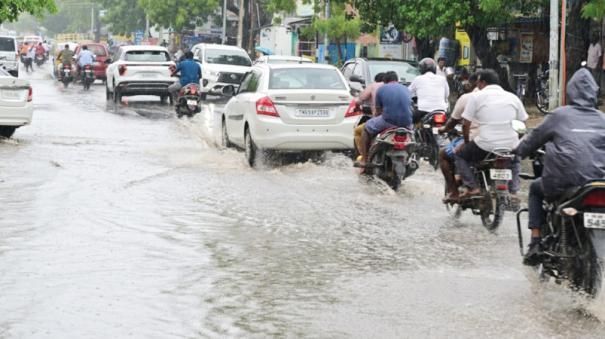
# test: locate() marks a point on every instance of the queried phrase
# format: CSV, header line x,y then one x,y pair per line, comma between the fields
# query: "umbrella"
x,y
263,50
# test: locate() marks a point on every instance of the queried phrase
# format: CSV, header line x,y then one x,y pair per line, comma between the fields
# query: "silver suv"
x,y
9,59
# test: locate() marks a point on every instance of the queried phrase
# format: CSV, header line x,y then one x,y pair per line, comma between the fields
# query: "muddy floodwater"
x,y
124,222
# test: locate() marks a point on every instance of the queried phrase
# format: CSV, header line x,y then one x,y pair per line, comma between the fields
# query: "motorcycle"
x,y
27,62
40,60
392,155
573,238
542,91
66,75
88,77
189,102
428,138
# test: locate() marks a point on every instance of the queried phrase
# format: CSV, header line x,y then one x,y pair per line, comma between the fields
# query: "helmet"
x,y
427,65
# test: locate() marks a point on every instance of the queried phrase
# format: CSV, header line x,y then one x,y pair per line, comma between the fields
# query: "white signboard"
x,y
391,51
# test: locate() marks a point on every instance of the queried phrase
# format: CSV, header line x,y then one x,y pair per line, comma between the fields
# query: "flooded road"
x,y
126,222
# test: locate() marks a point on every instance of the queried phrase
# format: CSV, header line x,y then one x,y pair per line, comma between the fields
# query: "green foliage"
x,y
11,9
594,9
338,27
123,16
179,14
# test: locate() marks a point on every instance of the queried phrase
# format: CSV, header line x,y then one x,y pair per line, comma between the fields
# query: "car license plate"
x,y
435,130
148,75
313,112
501,174
11,95
594,220
191,102
87,71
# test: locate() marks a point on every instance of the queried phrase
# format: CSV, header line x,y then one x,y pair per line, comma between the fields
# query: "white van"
x,y
9,56
221,65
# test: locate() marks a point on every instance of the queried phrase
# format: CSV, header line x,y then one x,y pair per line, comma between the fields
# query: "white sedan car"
x,y
139,70
16,107
290,108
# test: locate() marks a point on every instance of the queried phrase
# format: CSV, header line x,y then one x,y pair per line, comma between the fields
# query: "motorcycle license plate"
x,y
66,72
191,103
594,220
88,71
501,174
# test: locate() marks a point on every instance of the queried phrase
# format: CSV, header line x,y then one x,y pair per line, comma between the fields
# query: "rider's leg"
x,y
357,136
470,154
364,146
516,182
174,90
536,220
447,168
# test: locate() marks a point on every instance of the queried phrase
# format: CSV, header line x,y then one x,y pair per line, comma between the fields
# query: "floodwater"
x,y
123,222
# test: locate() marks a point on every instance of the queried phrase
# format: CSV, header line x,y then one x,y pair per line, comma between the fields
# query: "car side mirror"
x,y
357,78
108,61
228,91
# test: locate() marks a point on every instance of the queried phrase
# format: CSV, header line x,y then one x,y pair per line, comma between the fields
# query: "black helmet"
x,y
427,65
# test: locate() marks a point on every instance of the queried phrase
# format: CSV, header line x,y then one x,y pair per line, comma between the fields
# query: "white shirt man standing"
x,y
594,56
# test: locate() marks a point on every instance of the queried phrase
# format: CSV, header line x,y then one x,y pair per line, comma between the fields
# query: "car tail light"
x,y
265,106
122,69
595,198
439,118
352,110
30,94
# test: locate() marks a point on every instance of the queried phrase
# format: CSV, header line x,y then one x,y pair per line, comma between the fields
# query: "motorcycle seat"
x,y
573,192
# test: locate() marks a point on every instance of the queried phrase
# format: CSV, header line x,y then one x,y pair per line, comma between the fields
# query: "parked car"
x,y
289,108
139,70
9,55
16,108
281,59
360,72
221,65
101,53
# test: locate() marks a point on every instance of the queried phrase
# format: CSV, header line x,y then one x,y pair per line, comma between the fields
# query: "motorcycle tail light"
x,y
352,110
122,69
265,106
30,94
595,198
399,141
439,118
502,187
193,89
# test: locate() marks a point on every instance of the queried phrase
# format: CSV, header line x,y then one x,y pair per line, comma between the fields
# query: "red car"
x,y
102,54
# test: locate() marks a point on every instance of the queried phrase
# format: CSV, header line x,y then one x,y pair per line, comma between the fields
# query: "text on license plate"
x,y
501,174
148,75
313,112
594,220
10,94
191,102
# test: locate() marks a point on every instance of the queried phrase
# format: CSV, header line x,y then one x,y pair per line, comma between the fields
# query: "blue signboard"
x,y
138,37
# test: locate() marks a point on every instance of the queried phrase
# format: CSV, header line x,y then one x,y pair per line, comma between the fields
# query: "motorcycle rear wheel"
x,y
589,276
492,212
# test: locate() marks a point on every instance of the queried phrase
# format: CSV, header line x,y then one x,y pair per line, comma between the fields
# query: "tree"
x,y
338,29
11,9
123,16
179,14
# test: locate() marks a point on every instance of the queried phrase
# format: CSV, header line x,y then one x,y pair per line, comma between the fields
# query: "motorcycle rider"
x,y
431,90
492,109
64,58
446,154
40,50
575,151
86,57
191,72
393,103
368,94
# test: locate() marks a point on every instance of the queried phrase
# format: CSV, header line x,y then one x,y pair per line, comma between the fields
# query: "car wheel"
x,y
163,99
7,131
117,96
251,150
225,143
108,94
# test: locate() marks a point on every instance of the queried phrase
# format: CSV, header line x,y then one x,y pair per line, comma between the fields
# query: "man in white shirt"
x,y
441,67
492,109
431,90
593,58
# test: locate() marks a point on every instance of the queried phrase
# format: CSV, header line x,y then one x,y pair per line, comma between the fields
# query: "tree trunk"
x,y
487,56
339,52
577,38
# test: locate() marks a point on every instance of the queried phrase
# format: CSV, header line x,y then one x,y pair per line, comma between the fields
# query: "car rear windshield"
x,y
227,57
7,45
147,56
97,50
404,70
306,78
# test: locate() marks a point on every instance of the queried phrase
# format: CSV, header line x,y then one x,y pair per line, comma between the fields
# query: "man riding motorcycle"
x,y
431,90
493,110
574,136
64,58
446,154
368,95
40,50
191,72
86,57
393,109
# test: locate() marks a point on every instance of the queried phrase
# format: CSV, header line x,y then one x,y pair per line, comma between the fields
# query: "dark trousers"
x,y
469,155
536,198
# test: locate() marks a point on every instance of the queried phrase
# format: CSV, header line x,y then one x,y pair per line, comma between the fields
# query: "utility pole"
x,y
240,25
326,41
224,37
563,62
553,86
92,20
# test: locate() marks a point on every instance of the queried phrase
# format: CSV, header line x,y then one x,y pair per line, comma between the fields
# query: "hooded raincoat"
x,y
574,136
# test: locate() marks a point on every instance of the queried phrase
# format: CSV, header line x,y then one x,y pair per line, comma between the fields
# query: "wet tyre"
x,y
588,277
65,82
117,96
225,143
108,94
250,149
492,212
7,131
